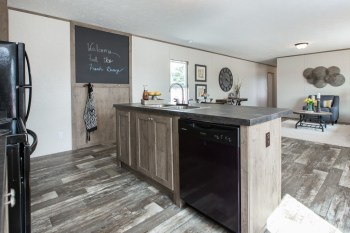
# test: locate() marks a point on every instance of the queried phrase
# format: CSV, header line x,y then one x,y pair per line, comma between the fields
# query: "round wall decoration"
x,y
321,76
225,79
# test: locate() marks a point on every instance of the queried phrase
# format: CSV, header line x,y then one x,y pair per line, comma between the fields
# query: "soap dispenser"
x,y
145,93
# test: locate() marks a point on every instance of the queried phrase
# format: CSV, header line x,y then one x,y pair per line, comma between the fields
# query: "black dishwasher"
x,y
210,170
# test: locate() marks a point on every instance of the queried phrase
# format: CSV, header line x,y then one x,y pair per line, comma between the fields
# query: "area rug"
x,y
336,134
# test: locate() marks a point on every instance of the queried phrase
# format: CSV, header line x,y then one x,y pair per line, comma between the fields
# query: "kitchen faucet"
x,y
182,90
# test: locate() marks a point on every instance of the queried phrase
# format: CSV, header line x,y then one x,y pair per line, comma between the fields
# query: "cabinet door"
x,y
143,135
162,150
123,137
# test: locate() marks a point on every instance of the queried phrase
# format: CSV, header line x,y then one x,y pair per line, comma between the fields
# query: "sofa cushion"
x,y
326,103
325,109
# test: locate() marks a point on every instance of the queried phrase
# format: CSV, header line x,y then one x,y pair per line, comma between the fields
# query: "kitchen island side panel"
x,y
260,174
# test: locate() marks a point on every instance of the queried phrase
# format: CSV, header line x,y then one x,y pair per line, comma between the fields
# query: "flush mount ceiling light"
x,y
301,45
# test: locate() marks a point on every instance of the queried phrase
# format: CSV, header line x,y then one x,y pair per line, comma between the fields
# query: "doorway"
x,y
271,90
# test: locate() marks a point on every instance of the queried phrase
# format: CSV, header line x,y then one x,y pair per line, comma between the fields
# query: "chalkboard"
x,y
101,57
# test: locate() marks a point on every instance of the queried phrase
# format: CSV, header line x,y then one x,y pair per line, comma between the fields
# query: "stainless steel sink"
x,y
159,105
180,107
171,106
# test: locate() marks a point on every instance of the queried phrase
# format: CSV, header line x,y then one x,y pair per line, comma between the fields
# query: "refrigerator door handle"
x,y
28,86
35,140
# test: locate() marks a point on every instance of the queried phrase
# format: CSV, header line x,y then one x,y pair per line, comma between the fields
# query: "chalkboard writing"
x,y
101,57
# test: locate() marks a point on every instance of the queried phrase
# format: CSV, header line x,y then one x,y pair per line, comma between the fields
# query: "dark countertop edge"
x,y
209,118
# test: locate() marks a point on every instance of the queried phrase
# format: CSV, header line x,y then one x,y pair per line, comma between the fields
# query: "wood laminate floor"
x,y
84,191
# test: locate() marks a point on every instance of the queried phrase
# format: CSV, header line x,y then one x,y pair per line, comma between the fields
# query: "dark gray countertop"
x,y
217,113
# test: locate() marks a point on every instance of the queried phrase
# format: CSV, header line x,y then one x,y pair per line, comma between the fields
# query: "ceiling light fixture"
x,y
301,45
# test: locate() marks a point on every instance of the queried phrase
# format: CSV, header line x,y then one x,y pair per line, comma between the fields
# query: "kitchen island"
x,y
148,143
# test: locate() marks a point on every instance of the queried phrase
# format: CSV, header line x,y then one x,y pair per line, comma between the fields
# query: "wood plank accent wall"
x,y
105,96
260,174
4,22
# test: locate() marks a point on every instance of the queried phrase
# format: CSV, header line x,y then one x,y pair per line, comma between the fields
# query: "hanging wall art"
x,y
321,76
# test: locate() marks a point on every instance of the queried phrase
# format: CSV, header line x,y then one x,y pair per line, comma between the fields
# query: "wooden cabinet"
x,y
123,137
154,147
145,143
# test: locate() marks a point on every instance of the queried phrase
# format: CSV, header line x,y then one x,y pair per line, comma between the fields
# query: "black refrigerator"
x,y
15,101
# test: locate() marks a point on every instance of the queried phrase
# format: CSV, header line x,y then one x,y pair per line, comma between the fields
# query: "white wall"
x,y
292,87
151,66
48,46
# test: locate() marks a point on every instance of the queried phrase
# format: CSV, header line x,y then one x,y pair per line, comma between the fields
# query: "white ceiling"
x,y
256,30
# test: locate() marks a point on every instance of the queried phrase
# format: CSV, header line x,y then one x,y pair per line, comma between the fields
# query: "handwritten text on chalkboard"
x,y
101,57
93,48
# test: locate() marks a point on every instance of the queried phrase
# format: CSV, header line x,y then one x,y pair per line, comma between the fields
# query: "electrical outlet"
x,y
267,139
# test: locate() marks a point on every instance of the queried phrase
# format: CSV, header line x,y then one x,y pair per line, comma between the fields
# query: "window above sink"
x,y
178,74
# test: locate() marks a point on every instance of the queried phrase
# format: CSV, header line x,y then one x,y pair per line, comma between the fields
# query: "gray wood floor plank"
x,y
44,187
292,178
329,188
199,224
147,212
320,157
343,158
60,199
174,222
345,178
41,225
339,210
154,220
60,158
311,183
163,200
104,147
44,197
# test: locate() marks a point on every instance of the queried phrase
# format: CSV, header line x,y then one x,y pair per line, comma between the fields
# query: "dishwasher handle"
x,y
186,125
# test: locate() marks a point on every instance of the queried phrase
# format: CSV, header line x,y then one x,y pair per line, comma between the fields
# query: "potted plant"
x,y
310,104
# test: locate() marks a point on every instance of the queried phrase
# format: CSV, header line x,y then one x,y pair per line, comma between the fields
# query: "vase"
x,y
237,94
310,107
